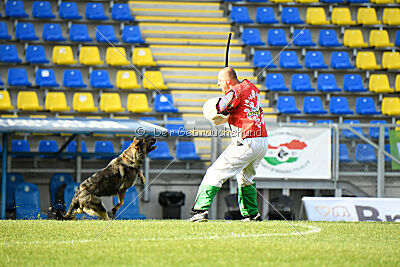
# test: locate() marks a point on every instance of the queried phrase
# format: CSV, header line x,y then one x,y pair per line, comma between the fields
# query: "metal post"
x,y
78,160
265,205
335,160
146,190
380,191
4,177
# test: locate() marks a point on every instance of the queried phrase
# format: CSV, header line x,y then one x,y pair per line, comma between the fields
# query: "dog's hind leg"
x,y
95,207
121,196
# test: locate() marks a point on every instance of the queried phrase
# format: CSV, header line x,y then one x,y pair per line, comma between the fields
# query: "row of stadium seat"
x,y
323,1
362,153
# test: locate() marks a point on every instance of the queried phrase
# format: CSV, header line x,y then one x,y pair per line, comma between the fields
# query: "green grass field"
x,y
181,243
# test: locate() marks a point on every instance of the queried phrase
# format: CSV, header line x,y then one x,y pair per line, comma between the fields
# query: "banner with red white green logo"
x,y
296,152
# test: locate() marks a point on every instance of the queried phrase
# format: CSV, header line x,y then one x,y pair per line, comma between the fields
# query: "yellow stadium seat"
x,y
90,55
56,101
391,16
153,80
316,16
367,16
382,1
110,102
342,16
83,102
379,38
307,1
397,128
126,79
391,60
5,102
354,38
63,55
391,106
116,56
137,103
28,100
379,83
9,116
142,57
281,1
366,61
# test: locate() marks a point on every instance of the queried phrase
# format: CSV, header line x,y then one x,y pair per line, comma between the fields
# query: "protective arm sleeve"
x,y
226,103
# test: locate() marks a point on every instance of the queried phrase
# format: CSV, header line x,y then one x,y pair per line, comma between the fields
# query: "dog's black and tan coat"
x,y
119,175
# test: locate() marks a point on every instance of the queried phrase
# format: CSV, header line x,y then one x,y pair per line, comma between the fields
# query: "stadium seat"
x,y
56,102
391,16
27,202
18,77
121,12
28,101
328,38
137,103
131,34
83,102
153,80
95,11
287,105
15,9
63,55
186,151
342,16
252,37
366,106
46,78
383,1
126,79
25,31
275,82
12,180
367,16
52,32
391,106
240,14
263,59
379,38
130,209
316,16
57,180
105,34
301,83
344,153
116,56
42,10
111,102
349,134
73,79
374,131
391,60
281,1
69,10
379,83
397,40
314,60
5,101
257,1
339,105
298,121
161,152
291,15
353,83
289,60
90,55
354,38
79,33
9,54
387,149
35,54
100,79
4,32
340,60
313,105
142,57
103,146
276,37
307,1
48,146
265,15
365,153
397,83
20,145
164,103
302,38
176,127
327,83
366,61
72,148
357,1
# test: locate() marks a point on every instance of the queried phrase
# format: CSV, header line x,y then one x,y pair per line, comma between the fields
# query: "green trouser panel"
x,y
205,197
247,198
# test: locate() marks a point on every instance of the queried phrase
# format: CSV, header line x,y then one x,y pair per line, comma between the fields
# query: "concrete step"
x,y
242,72
195,79
220,63
166,18
141,11
195,49
184,34
193,27
197,57
190,41
176,5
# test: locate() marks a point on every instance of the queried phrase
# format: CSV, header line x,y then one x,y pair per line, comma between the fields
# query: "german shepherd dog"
x,y
119,175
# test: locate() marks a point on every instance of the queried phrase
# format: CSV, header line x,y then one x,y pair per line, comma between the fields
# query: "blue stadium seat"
x,y
9,54
150,119
374,131
12,180
252,37
324,121
357,1
72,147
287,105
340,60
105,34
302,38
161,152
365,153
387,149
73,79
276,37
20,145
289,60
121,12
1,84
176,127
35,54
4,32
18,77
164,103
302,83
332,1
100,79
259,1
69,10
79,33
48,146
15,9
353,83
186,151
327,83
240,14
263,59
291,15
42,10
104,147
52,32
344,153
366,106
275,82
298,121
397,39
131,34
27,201
130,209
314,60
265,15
95,11
313,105
339,105
57,180
328,38
46,78
25,31
349,134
